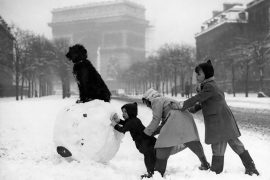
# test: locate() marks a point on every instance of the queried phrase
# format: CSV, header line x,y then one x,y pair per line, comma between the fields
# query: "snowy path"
x,y
27,151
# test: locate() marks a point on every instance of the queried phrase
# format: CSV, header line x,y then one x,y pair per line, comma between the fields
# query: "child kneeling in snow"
x,y
144,143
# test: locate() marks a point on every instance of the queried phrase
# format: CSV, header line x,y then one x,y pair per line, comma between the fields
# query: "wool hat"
x,y
132,109
151,94
207,69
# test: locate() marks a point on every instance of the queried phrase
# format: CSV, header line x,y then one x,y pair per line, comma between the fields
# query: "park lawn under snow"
x,y
27,150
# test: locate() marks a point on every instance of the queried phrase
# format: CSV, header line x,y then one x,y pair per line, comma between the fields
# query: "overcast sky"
x,y
172,20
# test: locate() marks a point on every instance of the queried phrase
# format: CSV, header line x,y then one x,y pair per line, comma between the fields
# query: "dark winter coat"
x,y
220,124
90,83
143,142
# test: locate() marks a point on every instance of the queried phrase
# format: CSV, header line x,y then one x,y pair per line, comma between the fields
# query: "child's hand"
x,y
114,117
113,123
176,106
79,101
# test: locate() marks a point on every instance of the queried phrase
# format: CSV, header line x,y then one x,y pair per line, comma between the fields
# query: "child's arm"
x,y
126,127
122,122
157,116
176,105
195,108
202,96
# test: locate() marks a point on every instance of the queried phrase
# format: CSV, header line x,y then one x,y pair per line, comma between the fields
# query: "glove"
x,y
175,105
79,101
114,117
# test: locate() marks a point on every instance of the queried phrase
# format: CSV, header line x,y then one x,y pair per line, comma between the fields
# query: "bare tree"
x,y
61,65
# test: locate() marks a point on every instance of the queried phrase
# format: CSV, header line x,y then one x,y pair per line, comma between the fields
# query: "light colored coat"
x,y
179,127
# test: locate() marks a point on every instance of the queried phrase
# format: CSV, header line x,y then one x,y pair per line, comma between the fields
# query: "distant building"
x,y
259,19
114,29
6,59
218,32
258,28
228,29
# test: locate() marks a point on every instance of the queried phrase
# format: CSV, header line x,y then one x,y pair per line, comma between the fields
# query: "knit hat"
x,y
131,109
207,69
150,94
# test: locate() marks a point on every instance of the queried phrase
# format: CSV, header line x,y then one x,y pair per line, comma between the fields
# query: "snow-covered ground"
x,y
27,151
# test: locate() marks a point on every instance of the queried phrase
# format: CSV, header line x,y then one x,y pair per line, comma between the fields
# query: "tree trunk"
x,y
17,74
246,79
63,88
175,81
233,80
40,87
167,85
22,87
182,83
261,69
29,88
32,82
163,87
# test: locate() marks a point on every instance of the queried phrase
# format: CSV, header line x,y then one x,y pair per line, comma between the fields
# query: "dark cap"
x,y
131,109
207,69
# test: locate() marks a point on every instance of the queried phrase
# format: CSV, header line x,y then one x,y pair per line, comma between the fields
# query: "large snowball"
x,y
84,129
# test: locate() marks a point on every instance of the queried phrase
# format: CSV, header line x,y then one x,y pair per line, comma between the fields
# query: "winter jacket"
x,y
135,127
220,124
177,127
90,83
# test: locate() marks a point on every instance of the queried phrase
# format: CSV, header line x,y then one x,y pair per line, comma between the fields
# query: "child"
x,y
176,130
220,125
145,144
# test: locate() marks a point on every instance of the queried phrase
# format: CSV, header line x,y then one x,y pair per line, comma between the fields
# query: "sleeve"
x,y
127,126
122,122
175,105
202,96
157,109
195,108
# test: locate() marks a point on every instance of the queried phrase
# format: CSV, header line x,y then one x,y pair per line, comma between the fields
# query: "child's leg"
x,y
236,145
162,156
218,150
196,147
147,149
244,155
150,160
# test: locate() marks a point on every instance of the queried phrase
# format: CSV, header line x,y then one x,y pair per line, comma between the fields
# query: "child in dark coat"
x,y
220,125
144,143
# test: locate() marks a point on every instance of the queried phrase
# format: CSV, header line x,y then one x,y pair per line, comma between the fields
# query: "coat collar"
x,y
200,85
207,80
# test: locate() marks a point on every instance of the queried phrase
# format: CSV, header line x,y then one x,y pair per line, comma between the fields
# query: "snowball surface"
x,y
84,129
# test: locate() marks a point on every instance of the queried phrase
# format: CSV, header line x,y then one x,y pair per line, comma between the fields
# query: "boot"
x,y
248,163
217,164
204,164
160,166
148,175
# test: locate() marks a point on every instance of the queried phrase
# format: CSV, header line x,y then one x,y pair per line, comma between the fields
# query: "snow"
x,y
84,129
27,150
